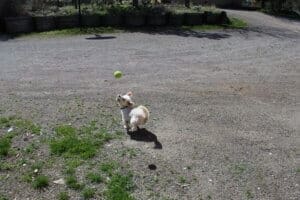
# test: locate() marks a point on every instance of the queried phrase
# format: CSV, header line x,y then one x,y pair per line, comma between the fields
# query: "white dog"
x,y
132,117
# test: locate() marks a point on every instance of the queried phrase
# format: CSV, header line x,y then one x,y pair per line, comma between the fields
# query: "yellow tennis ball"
x,y
118,74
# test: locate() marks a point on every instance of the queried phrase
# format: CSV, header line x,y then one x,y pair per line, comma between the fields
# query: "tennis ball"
x,y
117,74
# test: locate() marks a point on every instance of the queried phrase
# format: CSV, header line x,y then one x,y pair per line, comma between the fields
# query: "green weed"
x,y
88,193
40,181
94,177
119,187
63,196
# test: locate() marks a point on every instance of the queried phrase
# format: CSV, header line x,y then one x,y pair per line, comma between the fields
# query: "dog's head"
x,y
125,100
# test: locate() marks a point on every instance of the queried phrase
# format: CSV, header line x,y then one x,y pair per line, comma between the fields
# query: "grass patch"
x,y
73,143
298,170
109,167
5,144
3,197
63,196
119,187
27,126
31,148
5,166
73,31
88,193
94,177
249,194
182,180
239,169
236,23
22,125
40,182
71,146
72,182
203,27
65,130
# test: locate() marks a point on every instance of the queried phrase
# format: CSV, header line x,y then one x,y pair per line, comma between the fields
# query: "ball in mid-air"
x,y
117,74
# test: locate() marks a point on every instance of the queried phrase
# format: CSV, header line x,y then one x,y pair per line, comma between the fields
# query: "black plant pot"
x,y
63,22
192,19
223,18
44,23
176,19
111,20
91,20
157,19
2,25
18,24
135,20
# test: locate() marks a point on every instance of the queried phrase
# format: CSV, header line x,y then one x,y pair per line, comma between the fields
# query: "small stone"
x,y
270,153
24,164
60,181
36,171
210,180
10,129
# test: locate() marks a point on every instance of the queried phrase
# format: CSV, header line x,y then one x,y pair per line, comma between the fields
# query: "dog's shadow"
x,y
145,136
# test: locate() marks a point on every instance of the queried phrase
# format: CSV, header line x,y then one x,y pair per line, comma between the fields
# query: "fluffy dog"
x,y
132,116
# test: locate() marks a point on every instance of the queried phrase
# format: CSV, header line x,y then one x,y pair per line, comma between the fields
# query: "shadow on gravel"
x,y
145,136
4,38
269,31
183,32
99,37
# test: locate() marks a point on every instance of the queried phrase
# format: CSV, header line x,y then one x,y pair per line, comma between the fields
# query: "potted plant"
x,y
44,23
69,21
157,16
194,18
176,19
211,17
17,20
135,16
112,17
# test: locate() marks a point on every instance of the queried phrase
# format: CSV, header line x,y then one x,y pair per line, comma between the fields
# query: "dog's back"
x,y
139,115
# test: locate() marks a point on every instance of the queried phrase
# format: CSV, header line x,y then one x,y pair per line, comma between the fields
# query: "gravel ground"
x,y
224,104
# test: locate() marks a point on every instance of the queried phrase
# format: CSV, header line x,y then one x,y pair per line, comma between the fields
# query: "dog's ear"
x,y
130,103
129,93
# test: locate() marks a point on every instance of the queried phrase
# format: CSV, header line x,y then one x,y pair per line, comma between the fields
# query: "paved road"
x,y
224,105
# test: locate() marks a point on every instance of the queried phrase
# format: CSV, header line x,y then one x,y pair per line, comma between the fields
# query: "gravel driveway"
x,y
224,104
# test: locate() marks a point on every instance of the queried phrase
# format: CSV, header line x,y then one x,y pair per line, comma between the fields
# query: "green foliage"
x,y
249,194
65,130
182,180
63,196
40,181
236,23
88,193
5,144
72,182
23,125
3,197
109,167
119,187
70,146
94,177
26,125
4,122
6,166
73,143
